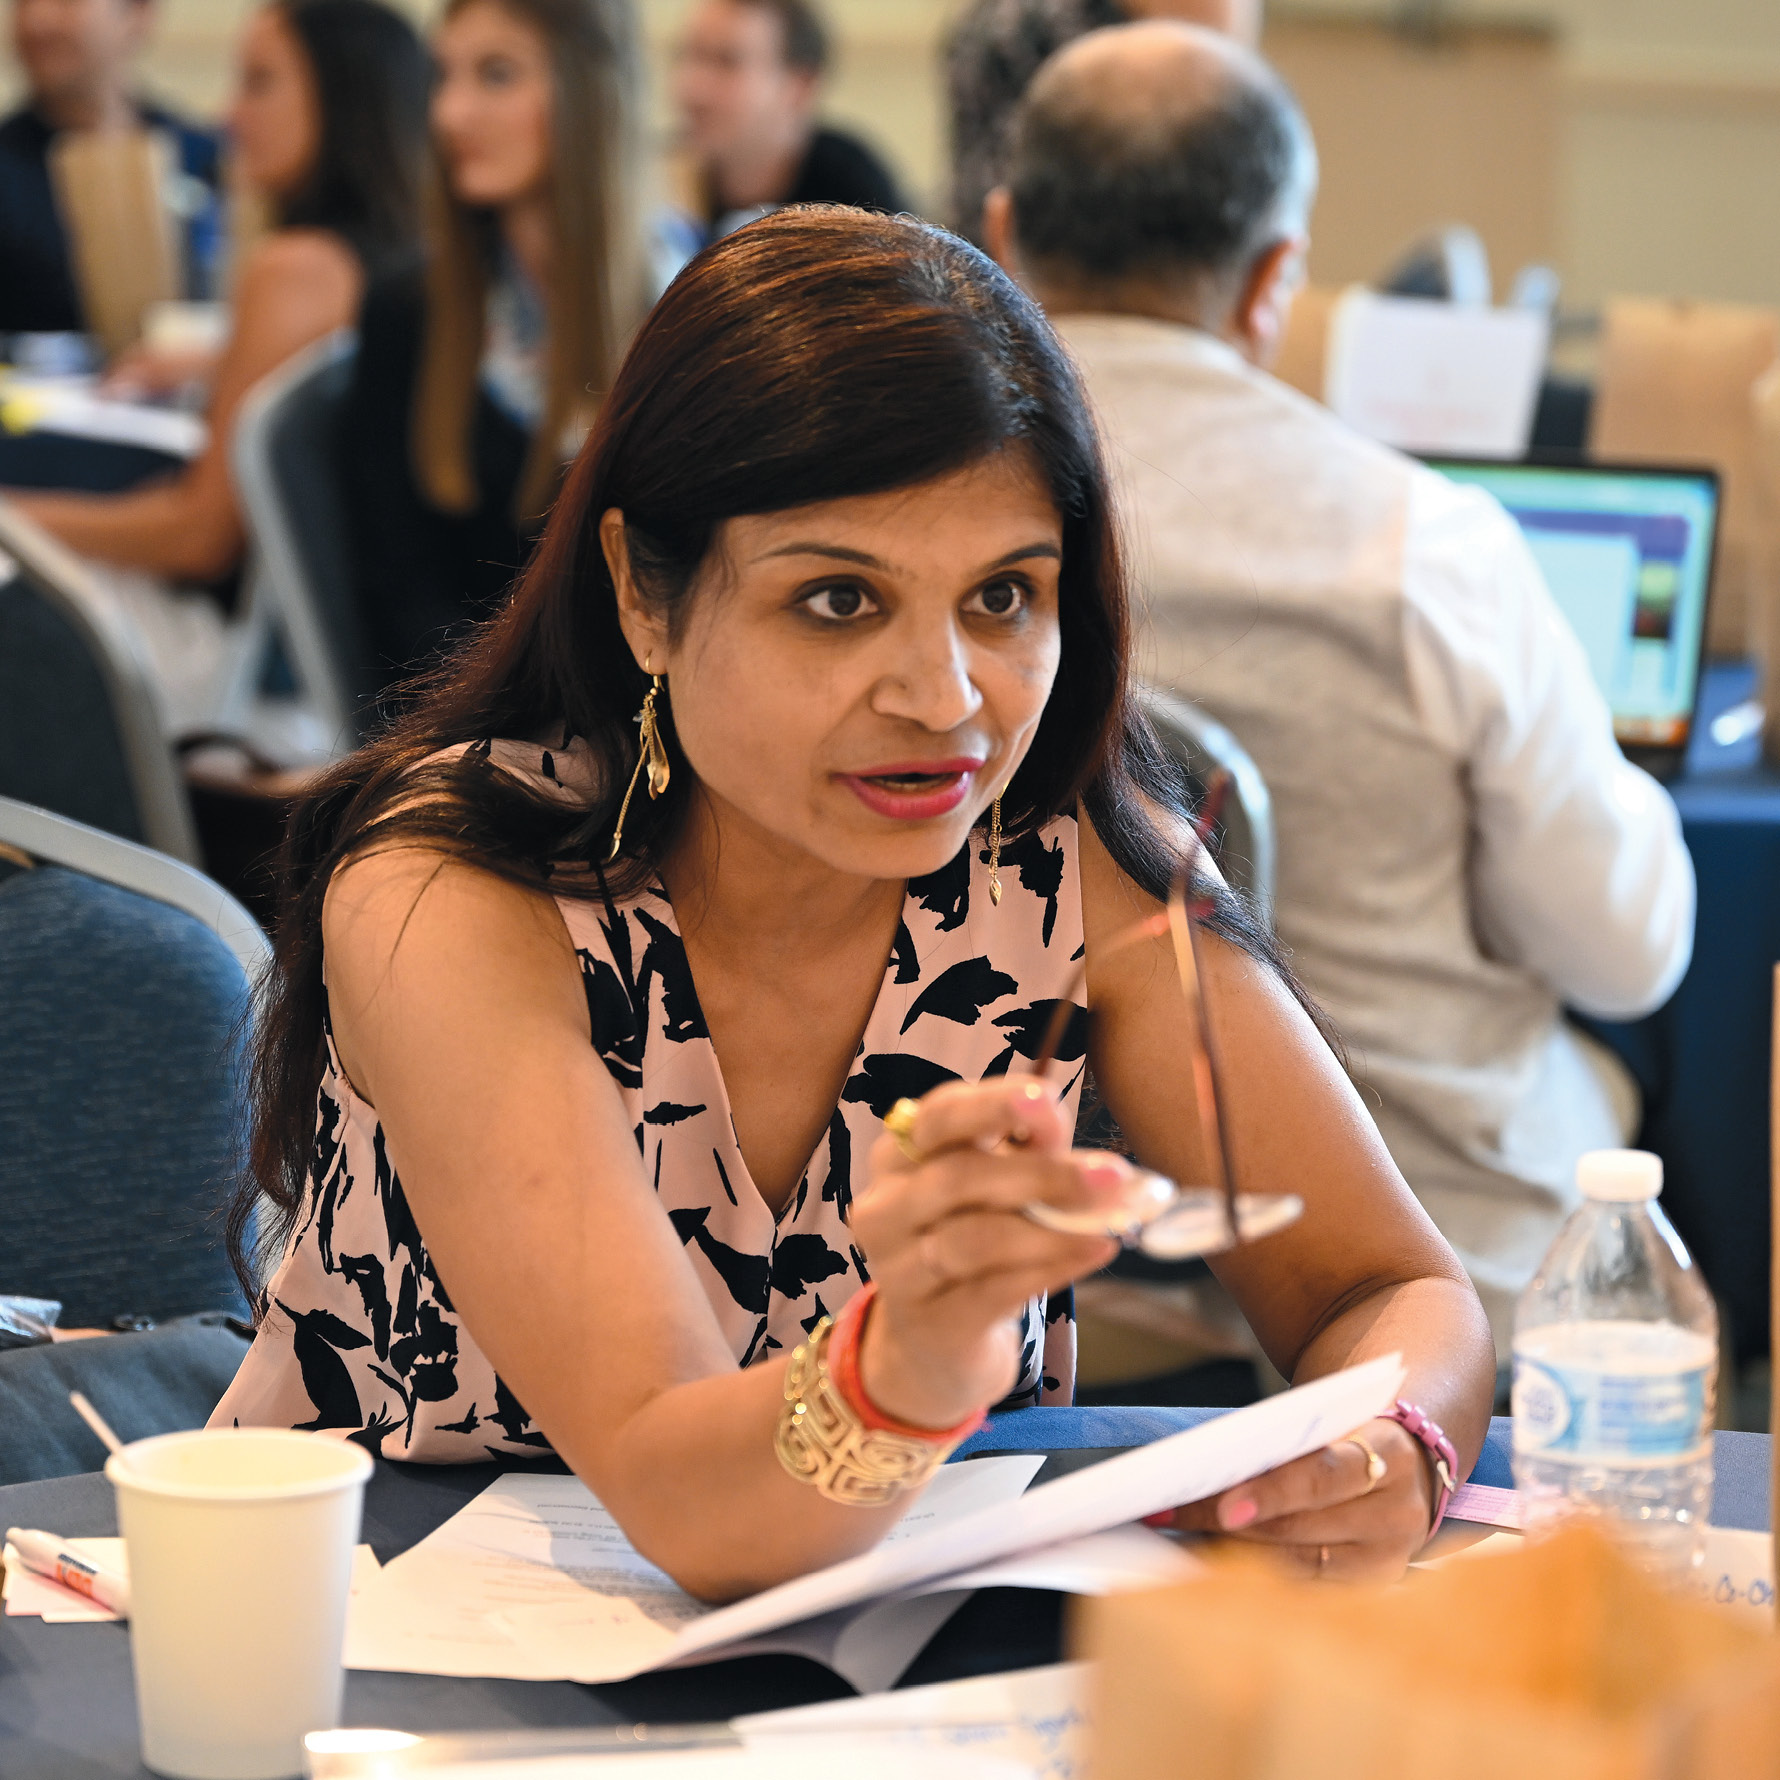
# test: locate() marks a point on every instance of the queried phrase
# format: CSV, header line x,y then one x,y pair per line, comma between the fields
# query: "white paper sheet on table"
x,y
535,1581
72,406
1029,1725
811,1758
31,1596
1036,1720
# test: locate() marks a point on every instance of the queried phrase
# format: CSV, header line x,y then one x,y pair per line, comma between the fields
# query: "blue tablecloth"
x,y
67,1704
1703,1060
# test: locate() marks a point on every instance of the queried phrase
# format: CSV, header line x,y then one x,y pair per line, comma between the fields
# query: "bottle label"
x,y
1586,1414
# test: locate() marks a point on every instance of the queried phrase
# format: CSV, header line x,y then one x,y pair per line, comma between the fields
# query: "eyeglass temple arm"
x,y
1178,922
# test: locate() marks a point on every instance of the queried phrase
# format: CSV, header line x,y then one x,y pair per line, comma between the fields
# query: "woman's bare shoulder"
x,y
1111,898
293,287
297,253
421,906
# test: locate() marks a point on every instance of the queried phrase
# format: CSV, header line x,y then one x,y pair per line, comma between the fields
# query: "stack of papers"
x,y
534,1580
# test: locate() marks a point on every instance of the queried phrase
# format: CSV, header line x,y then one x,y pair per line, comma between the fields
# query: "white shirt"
x,y
1579,872
1462,848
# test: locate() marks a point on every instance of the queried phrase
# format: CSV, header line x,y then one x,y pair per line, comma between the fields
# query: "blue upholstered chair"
x,y
286,461
80,729
124,982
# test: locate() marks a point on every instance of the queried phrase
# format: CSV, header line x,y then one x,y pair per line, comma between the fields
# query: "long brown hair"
x,y
370,74
815,354
596,270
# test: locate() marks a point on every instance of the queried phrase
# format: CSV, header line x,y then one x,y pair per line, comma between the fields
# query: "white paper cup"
x,y
240,1543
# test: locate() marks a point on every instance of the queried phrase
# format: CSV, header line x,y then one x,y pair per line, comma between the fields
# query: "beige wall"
x,y
1411,135
1640,148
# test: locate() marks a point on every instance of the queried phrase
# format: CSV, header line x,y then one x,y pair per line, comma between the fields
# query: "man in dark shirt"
x,y
76,56
747,77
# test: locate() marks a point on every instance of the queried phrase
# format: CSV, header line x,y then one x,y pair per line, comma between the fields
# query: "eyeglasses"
x,y
1165,1220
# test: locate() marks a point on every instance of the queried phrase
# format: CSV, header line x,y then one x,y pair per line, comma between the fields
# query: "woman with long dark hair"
x,y
786,794
328,126
477,376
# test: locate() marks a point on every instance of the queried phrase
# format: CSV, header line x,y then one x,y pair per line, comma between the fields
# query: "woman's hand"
x,y
142,372
1323,1517
952,1255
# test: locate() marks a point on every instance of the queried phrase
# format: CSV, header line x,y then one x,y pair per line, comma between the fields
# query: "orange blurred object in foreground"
x,y
1558,1661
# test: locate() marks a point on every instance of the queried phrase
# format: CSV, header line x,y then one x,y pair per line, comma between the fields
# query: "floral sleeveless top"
x,y
357,1331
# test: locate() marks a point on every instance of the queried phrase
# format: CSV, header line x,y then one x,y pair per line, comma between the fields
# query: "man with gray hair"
x,y
995,48
1463,851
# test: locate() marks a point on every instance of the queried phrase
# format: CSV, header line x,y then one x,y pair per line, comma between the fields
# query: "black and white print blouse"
x,y
359,1333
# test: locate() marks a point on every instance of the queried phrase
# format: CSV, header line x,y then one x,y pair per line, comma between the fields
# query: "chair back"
x,y
80,727
1304,350
124,988
286,456
111,192
1245,847
1677,386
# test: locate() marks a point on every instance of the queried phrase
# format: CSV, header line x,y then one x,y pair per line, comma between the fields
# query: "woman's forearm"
x,y
694,1479
1449,1360
183,530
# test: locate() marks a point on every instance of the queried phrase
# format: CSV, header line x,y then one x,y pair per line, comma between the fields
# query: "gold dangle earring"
x,y
995,853
651,753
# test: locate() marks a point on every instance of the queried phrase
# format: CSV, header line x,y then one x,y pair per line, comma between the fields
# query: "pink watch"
x,y
1439,1449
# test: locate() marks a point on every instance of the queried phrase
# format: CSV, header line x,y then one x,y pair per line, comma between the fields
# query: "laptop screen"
x,y
1627,553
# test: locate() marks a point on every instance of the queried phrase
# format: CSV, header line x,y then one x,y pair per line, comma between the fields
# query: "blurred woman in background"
x,y
477,378
328,126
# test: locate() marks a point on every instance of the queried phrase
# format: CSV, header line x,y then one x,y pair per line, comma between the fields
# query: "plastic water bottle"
x,y
1616,1371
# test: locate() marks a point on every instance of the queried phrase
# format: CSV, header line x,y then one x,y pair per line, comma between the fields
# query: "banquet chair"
x,y
1677,385
285,455
111,191
126,978
80,729
1245,845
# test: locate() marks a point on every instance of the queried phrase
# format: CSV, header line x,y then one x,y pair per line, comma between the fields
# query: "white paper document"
x,y
1034,1720
1427,376
72,406
535,1581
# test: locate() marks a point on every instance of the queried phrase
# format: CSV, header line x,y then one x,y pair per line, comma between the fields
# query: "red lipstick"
x,y
914,790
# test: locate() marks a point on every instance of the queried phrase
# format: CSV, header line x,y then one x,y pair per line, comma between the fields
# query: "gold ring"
x,y
1375,1466
899,1121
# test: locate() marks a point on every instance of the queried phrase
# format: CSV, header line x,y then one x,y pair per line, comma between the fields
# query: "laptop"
x,y
1628,551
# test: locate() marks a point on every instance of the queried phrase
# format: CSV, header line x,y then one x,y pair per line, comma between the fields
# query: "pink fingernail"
x,y
1233,1516
1164,1520
1105,1179
1033,1090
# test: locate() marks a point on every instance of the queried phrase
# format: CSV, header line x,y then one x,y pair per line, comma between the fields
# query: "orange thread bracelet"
x,y
843,1368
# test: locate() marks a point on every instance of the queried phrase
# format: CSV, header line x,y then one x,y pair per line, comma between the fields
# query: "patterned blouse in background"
x,y
359,1332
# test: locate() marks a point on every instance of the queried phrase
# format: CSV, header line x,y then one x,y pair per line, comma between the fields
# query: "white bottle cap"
x,y
1624,1175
